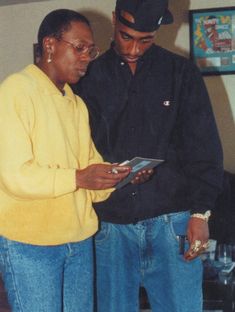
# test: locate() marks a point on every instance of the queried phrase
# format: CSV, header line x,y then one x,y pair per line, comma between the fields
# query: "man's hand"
x,y
100,176
198,235
142,176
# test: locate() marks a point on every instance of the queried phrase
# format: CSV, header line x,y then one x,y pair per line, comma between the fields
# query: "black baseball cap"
x,y
147,15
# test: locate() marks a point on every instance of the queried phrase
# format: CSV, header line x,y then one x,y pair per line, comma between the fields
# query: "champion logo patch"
x,y
166,103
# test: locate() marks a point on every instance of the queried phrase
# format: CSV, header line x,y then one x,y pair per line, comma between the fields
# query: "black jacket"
x,y
163,111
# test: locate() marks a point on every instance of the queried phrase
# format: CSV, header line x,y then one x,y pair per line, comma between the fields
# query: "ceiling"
x,y
9,2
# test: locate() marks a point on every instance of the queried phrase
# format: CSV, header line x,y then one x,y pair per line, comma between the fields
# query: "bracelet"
x,y
204,216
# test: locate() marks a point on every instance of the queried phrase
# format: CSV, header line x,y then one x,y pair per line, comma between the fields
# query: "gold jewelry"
x,y
49,59
197,243
196,246
192,253
204,216
114,171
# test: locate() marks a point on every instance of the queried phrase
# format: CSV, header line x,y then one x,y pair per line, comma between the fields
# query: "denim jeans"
x,y
48,278
146,254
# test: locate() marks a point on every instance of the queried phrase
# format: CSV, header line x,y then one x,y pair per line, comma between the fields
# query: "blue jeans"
x,y
146,254
48,278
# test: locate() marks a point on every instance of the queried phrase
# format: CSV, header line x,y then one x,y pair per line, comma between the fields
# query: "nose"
x,y
134,49
85,57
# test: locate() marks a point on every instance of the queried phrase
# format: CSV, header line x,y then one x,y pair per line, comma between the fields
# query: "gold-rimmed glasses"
x,y
81,48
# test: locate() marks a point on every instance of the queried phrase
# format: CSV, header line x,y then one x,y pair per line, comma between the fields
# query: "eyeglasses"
x,y
81,49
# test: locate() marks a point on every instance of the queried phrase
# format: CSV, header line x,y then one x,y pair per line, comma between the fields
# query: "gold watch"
x,y
204,216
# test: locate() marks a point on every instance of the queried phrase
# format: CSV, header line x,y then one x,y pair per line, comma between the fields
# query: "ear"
x,y
48,45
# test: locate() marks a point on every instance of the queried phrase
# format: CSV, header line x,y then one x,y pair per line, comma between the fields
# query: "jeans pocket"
x,y
178,223
103,232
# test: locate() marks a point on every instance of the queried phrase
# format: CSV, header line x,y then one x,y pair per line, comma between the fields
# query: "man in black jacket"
x,y
146,101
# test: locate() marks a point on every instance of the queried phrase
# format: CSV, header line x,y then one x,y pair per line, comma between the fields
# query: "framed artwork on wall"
x,y
212,40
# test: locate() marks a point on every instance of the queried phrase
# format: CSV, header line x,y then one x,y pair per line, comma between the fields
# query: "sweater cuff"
x,y
65,181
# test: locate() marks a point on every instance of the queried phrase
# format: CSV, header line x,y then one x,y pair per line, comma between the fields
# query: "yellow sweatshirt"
x,y
44,138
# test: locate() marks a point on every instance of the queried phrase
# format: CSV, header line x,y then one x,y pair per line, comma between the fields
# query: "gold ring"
x,y
114,171
191,253
196,246
195,249
197,243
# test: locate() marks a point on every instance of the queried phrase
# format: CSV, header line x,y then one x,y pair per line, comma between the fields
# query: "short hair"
x,y
57,22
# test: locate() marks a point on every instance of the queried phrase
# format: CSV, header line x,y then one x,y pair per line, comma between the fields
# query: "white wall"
x,y
18,31
19,24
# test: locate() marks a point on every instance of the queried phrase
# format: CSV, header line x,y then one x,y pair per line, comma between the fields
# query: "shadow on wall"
x,y
166,35
224,117
101,26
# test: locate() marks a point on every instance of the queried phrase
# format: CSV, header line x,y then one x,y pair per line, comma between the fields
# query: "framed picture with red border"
x,y
212,40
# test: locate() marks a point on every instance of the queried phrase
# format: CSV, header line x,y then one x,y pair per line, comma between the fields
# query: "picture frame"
x,y
212,40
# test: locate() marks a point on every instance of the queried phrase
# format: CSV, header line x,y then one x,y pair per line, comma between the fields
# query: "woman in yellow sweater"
x,y
50,173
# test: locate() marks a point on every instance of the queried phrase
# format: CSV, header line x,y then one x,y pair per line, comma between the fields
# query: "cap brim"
x,y
167,18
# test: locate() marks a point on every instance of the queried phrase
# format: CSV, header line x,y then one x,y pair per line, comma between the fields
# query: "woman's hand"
x,y
100,176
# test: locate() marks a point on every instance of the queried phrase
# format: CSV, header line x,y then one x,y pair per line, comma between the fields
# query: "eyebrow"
x,y
141,38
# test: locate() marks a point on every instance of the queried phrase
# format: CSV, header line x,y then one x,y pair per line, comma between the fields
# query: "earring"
x,y
49,59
